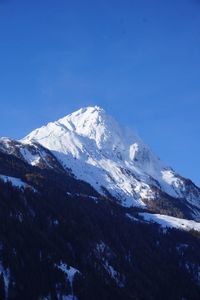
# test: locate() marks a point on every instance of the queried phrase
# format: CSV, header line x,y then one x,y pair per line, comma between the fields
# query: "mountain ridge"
x,y
111,157
91,146
62,239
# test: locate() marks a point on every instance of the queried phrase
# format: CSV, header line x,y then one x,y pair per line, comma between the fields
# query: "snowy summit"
x,y
112,158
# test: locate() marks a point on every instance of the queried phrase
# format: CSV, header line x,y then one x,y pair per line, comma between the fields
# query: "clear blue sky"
x,y
138,59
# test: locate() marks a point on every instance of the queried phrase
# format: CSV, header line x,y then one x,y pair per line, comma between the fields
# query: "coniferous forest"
x,y
49,223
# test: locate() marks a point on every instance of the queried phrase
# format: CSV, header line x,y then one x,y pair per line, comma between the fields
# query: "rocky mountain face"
x,y
32,153
77,204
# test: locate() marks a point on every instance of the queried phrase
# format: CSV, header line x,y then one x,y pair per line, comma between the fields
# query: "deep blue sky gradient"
x,y
138,59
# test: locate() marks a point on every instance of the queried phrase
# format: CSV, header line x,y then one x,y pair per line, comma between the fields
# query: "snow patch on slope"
x,y
31,158
69,271
171,222
6,277
116,276
17,182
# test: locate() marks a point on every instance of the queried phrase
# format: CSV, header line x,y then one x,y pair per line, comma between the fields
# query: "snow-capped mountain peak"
x,y
112,158
94,124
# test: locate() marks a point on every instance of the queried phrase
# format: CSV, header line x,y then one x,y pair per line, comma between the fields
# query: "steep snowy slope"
x,y
113,159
